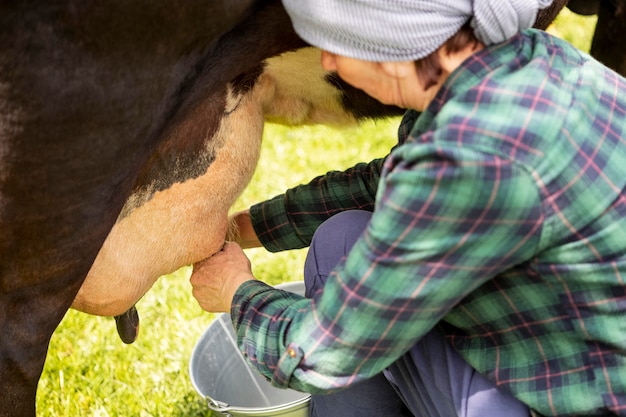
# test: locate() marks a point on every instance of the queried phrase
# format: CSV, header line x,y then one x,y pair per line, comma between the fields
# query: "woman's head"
x,y
401,51
405,30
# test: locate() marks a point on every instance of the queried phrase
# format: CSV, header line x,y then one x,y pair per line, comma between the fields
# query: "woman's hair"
x,y
429,68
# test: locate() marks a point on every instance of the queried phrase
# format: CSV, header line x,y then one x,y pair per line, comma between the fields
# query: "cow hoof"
x,y
128,325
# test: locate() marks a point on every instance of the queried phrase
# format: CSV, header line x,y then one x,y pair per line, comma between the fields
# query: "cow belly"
x,y
181,225
188,221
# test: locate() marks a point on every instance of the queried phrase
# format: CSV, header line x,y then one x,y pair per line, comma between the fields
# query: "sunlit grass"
x,y
576,29
90,372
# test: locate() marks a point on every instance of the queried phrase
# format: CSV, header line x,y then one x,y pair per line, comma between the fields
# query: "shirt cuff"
x,y
258,338
243,295
287,365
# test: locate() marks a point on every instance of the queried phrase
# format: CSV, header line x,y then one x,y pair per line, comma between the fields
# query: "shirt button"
x,y
292,352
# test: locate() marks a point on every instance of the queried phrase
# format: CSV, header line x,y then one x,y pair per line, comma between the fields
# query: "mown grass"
x,y
90,372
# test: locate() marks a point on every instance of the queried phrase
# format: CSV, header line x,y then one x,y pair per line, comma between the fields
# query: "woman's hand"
x,y
216,279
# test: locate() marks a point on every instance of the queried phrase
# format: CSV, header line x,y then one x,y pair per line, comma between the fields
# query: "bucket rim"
x,y
220,406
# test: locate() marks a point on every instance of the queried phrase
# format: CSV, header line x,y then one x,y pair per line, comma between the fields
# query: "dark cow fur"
x,y
610,32
88,91
96,98
610,35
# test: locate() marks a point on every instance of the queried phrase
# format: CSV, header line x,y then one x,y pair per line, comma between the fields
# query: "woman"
x,y
488,277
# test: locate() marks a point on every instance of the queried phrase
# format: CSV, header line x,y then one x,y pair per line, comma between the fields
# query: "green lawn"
x,y
90,372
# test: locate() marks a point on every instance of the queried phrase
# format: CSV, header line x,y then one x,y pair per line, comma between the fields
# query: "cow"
x,y
97,101
88,92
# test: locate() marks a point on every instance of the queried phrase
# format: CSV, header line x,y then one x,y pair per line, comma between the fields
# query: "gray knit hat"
x,y
405,30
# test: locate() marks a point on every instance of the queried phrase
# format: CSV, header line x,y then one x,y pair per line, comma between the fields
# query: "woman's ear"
x,y
398,69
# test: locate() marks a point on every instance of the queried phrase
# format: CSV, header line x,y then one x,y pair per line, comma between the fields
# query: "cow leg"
x,y
610,35
29,317
53,222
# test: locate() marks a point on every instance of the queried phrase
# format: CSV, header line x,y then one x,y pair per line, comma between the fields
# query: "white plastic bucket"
x,y
220,374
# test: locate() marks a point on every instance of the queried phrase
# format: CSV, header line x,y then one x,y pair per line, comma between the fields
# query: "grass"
x,y
90,372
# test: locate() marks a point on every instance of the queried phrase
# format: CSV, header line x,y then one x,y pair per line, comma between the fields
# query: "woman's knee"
x,y
341,231
331,242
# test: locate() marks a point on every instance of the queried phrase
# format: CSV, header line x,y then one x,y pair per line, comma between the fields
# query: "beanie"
x,y
405,30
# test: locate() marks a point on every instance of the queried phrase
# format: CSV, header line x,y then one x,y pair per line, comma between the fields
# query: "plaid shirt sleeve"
x,y
289,220
435,211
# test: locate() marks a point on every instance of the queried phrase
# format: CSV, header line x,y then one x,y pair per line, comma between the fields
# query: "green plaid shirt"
x,y
500,218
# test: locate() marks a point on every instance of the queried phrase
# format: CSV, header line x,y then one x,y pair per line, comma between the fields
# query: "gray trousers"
x,y
431,380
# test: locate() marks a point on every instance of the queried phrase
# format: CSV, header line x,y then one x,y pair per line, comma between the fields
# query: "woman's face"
x,y
393,83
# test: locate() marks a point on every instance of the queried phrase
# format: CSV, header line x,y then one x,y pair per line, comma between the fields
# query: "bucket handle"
x,y
219,406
